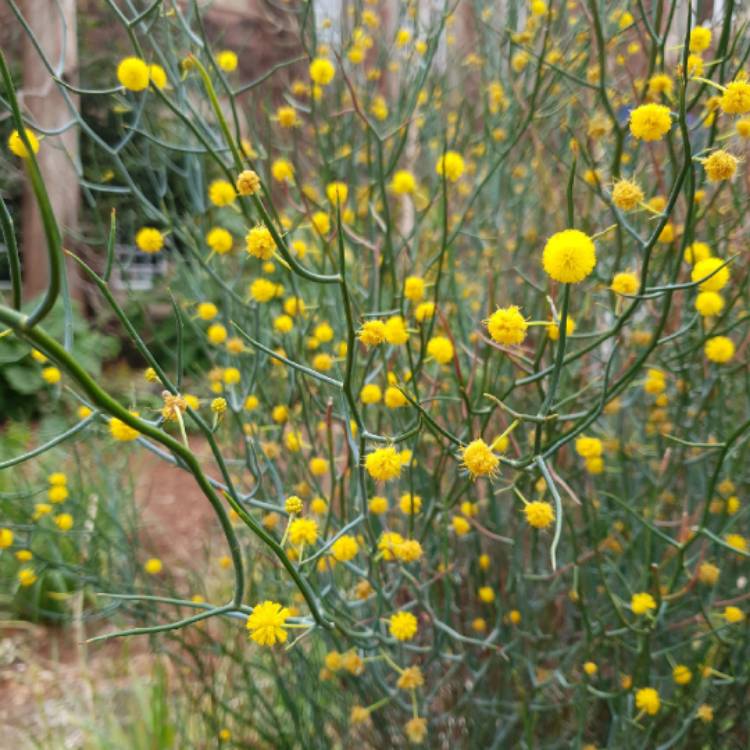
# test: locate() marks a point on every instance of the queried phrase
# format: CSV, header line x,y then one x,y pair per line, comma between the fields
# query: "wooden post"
x,y
54,25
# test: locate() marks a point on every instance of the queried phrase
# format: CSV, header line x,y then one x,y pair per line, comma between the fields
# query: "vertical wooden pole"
x,y
54,25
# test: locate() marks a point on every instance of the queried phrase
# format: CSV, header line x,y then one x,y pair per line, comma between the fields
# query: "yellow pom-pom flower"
x,y
133,74
720,166
647,700
569,256
383,464
18,147
650,122
403,626
266,623
479,460
539,514
719,349
716,271
149,240
507,326
450,164
260,243
642,602
440,349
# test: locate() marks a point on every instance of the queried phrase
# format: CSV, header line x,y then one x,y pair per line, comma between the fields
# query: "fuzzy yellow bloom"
x,y
681,674
624,283
217,334
410,504
479,460
248,182
133,74
337,193
736,98
149,240
303,531
719,349
321,71
450,164
282,170
700,39
221,193
733,615
372,332
394,398
18,148
627,195
227,60
403,182
647,700
569,256
219,240
440,349
716,269
260,243
507,325
378,505
27,577
344,548
153,566
650,122
51,375
486,594
642,602
414,287
121,431
266,623
539,514
395,331
403,626
720,166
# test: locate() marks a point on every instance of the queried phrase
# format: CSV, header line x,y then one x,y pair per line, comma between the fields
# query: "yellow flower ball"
x,y
507,326
720,166
479,460
18,147
719,349
321,71
736,98
714,268
219,240
403,626
539,514
440,349
260,243
450,164
227,60
647,700
153,566
700,39
149,240
627,195
133,74
403,182
709,304
650,122
51,375
624,283
642,602
221,193
569,256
